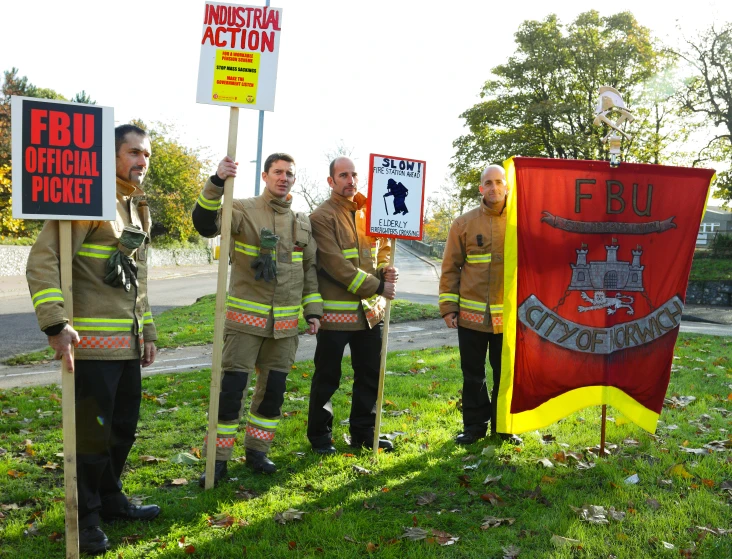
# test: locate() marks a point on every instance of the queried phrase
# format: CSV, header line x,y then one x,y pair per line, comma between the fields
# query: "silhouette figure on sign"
x,y
400,192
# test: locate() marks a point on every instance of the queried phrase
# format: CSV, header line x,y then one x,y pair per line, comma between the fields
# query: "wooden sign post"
x,y
238,69
46,136
399,183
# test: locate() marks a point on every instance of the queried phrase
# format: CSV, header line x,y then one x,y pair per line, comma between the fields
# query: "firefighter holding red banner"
x,y
471,300
272,276
113,333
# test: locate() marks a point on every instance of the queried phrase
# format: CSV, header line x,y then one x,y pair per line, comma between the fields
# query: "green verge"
x,y
711,269
194,325
428,483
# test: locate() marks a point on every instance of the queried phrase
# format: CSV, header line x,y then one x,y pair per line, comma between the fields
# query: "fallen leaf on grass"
x,y
491,479
545,462
493,499
292,545
371,547
678,470
443,538
414,534
3,451
678,402
472,466
548,438
511,552
31,531
50,466
655,505
548,479
184,458
188,549
16,474
585,465
464,480
131,539
719,446
177,482
55,537
495,522
360,470
632,480
488,451
288,516
349,539
152,459
560,541
715,531
246,494
426,499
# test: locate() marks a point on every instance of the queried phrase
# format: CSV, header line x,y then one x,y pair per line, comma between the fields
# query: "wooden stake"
x,y
602,430
218,342
68,400
382,367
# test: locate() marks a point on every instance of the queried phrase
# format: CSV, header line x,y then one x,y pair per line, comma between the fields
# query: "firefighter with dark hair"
x,y
113,333
272,276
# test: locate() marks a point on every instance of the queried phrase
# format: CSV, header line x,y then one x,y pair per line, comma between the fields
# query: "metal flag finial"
x,y
609,101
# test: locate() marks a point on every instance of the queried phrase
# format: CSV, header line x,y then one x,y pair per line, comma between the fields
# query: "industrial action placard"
x,y
239,53
63,160
396,197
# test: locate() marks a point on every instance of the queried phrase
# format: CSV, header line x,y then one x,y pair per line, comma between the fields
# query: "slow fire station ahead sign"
x,y
396,197
239,50
63,160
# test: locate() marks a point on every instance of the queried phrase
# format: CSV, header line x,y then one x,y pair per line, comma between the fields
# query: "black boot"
x,y
257,460
359,442
92,541
220,470
469,437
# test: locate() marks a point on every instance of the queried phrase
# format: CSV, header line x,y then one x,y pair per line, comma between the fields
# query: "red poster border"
x,y
370,199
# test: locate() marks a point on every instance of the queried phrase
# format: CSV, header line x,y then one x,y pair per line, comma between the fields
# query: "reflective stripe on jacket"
x,y
111,322
472,270
267,309
349,265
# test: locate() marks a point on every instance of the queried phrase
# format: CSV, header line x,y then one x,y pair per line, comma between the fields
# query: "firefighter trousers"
x,y
478,409
108,395
273,359
365,356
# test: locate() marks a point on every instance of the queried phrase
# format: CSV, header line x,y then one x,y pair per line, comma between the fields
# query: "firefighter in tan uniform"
x,y
272,276
113,333
471,299
354,282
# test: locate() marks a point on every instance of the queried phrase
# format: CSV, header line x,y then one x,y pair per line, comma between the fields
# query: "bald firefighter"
x,y
272,275
354,281
471,300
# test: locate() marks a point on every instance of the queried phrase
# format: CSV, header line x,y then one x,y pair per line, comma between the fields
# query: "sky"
x,y
387,77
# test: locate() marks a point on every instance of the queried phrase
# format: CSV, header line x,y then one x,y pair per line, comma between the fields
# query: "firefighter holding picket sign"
x,y
272,275
354,280
113,333
471,300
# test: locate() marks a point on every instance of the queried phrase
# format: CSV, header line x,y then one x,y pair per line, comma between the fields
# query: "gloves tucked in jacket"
x,y
121,268
264,263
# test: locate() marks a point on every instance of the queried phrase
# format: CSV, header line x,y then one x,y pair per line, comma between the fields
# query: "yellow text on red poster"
x,y
235,76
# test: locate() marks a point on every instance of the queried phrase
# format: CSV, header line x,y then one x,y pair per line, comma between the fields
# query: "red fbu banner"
x,y
597,265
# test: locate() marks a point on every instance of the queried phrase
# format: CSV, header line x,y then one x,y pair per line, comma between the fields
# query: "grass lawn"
x,y
711,269
492,499
194,325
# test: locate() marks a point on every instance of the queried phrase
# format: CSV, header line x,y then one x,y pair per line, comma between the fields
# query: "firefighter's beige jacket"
x,y
349,264
267,309
111,322
472,270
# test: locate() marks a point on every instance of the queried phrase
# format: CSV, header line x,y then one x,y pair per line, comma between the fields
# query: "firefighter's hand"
x,y
389,290
61,343
227,168
148,355
313,326
451,319
391,274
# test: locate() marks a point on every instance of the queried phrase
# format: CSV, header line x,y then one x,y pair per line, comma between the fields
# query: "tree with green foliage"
x,y
709,95
172,185
541,102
